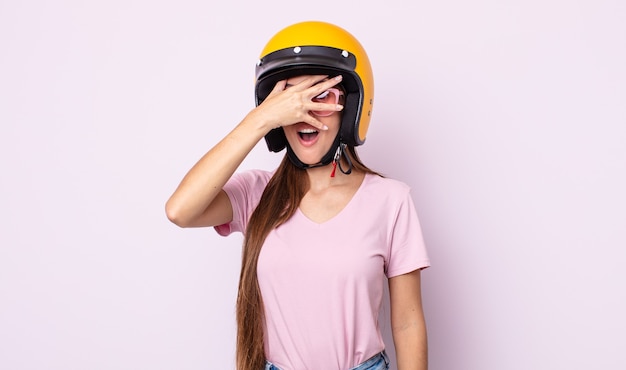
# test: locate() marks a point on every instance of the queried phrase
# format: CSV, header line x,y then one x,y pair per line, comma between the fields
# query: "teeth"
x,y
307,131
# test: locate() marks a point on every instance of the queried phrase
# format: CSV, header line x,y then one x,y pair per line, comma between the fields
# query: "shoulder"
x,y
383,195
252,178
247,184
385,185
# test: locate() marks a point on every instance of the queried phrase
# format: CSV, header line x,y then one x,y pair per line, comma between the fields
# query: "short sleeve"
x,y
407,250
244,191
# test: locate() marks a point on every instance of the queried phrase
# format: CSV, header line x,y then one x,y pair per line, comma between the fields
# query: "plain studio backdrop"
x,y
506,118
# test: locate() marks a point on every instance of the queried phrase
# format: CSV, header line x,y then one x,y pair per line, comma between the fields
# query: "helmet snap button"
x,y
345,54
297,50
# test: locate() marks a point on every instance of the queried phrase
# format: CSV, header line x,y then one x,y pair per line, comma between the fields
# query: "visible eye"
x,y
322,96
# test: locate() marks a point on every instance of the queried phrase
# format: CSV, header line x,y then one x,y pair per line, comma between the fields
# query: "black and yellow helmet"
x,y
319,48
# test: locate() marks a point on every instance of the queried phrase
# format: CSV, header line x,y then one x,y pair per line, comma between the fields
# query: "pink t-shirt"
x,y
322,284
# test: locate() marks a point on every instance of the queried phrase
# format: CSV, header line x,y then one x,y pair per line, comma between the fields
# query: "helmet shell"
x,y
315,47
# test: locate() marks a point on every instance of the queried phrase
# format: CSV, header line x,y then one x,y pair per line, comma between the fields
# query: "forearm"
x,y
207,177
194,201
411,345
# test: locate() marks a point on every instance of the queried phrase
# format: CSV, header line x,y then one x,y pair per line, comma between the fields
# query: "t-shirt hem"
x,y
405,270
229,227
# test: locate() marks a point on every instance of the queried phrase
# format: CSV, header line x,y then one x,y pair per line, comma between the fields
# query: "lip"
x,y
306,128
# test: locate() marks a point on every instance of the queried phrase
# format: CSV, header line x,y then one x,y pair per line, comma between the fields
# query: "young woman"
x,y
322,230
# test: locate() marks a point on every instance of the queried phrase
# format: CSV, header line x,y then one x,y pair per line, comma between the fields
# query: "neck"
x,y
319,177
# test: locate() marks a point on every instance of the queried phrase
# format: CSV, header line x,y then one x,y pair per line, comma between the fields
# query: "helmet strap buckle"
x,y
341,151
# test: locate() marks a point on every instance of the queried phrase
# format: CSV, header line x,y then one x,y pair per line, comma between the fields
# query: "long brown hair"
x,y
280,200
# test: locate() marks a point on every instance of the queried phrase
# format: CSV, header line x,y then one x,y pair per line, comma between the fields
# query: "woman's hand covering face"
x,y
290,104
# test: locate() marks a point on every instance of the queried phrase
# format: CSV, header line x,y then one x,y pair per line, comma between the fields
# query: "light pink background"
x,y
507,118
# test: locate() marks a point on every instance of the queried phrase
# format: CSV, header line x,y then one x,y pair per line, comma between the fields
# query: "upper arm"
x,y
405,297
407,321
219,212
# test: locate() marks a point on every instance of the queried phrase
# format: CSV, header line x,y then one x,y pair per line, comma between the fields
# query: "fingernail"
x,y
324,127
339,78
339,107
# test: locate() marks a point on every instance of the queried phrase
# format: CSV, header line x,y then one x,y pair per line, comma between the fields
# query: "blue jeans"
x,y
380,361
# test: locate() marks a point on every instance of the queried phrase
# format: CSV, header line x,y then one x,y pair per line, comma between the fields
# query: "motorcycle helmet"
x,y
314,47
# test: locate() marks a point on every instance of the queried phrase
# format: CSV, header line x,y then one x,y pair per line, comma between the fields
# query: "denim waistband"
x,y
379,361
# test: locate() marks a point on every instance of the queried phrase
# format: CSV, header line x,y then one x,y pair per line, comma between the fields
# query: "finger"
x,y
280,86
325,107
315,123
325,85
333,81
308,82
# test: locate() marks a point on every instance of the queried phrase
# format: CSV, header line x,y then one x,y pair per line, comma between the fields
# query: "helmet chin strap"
x,y
334,154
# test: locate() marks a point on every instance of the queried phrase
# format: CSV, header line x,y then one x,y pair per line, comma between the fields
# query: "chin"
x,y
310,155
309,159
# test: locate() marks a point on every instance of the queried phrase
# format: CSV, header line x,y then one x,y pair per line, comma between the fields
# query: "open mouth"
x,y
308,134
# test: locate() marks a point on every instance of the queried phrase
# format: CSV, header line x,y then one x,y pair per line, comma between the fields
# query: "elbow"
x,y
175,215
